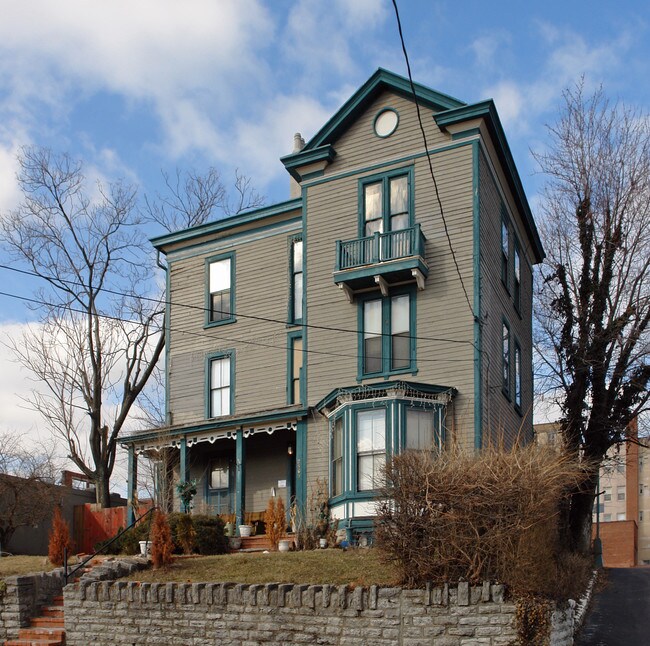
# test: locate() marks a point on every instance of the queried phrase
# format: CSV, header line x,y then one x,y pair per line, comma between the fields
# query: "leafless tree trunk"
x,y
100,333
593,292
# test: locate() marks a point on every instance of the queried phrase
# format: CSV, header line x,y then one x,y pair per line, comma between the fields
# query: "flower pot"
x,y
229,529
235,542
322,543
145,547
284,545
245,530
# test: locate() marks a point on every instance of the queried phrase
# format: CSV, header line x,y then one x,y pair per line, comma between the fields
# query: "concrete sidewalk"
x,y
620,610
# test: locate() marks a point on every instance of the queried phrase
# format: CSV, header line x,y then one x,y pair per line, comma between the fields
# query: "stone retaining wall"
x,y
126,612
22,596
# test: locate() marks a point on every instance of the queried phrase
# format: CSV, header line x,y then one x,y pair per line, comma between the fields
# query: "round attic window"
x,y
386,122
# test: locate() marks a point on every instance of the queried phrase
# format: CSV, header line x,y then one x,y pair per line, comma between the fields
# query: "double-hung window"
x,y
516,288
220,386
371,448
517,375
337,457
387,334
220,304
296,287
505,251
505,384
295,361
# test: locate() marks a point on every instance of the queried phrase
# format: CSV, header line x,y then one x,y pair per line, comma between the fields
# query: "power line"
x,y
213,337
426,150
235,314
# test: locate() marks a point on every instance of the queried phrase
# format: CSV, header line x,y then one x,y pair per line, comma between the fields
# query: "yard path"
x,y
619,610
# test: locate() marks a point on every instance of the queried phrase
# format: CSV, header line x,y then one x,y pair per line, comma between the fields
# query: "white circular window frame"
x,y
386,122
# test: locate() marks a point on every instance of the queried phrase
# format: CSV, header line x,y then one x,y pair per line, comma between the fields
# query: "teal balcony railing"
x,y
380,247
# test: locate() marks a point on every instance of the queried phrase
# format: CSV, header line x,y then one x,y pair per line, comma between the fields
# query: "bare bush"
x,y
489,516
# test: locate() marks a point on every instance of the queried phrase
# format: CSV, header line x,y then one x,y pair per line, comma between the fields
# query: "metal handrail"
x,y
67,574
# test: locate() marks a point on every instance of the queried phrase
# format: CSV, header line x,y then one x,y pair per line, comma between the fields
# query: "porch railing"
x,y
380,247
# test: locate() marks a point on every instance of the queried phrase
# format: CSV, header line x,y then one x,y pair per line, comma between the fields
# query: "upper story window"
x,y
221,294
516,288
517,375
419,429
505,251
387,334
505,384
371,448
386,203
296,288
295,368
220,382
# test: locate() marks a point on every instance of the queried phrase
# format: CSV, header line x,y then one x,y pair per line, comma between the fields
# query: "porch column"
x,y
301,465
240,475
131,486
184,466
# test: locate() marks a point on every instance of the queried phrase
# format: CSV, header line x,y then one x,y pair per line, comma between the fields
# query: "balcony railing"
x,y
380,247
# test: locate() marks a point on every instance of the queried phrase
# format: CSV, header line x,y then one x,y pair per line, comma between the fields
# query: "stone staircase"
x,y
46,630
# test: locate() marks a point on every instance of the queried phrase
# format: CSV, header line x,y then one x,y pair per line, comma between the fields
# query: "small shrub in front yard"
x,y
210,537
161,541
275,520
487,516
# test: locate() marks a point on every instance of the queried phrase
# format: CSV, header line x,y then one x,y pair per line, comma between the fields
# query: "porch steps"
x,y
258,543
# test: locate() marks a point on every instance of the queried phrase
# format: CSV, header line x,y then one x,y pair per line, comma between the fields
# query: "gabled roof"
x,y
381,80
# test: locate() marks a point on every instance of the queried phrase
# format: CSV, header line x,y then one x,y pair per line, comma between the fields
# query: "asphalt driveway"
x,y
620,610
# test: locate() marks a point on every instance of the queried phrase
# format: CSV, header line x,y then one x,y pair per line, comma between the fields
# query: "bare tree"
x,y
100,333
27,491
593,292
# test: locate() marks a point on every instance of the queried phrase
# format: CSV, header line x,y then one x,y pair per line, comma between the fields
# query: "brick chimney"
x,y
298,145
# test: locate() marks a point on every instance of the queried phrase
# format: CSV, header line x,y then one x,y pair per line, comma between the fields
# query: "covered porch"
x,y
236,464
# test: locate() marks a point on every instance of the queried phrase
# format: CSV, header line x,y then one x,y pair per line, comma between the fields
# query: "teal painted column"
x,y
240,478
131,485
184,475
301,465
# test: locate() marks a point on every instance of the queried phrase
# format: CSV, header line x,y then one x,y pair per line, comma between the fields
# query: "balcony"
x,y
382,260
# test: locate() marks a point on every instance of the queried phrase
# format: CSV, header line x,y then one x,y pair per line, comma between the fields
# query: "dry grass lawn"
x,y
11,565
352,567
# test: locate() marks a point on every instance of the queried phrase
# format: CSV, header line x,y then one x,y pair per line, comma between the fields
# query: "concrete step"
x,y
47,622
39,634
57,601
34,642
52,611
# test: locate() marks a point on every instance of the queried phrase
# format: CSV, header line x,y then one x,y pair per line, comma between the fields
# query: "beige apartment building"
x,y
379,308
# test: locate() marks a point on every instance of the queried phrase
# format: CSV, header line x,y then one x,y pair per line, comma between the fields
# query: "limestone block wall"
x,y
21,596
126,612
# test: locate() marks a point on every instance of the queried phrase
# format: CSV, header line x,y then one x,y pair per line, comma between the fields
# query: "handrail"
x,y
67,574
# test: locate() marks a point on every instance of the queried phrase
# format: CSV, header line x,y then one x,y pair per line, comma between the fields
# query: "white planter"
x,y
235,542
284,545
145,547
245,530
322,542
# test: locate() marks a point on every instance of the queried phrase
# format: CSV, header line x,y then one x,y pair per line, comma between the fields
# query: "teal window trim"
x,y
386,339
438,411
516,281
517,362
374,122
506,356
208,296
291,309
506,254
384,178
291,340
208,386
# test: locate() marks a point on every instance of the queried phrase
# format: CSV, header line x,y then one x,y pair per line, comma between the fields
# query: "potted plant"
x,y
186,491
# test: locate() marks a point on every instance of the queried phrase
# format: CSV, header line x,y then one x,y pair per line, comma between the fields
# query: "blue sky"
x,y
136,86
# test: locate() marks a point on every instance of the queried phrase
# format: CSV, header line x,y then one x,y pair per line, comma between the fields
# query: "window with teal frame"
x,y
220,290
387,334
505,373
296,291
517,376
220,384
505,249
295,368
516,286
386,202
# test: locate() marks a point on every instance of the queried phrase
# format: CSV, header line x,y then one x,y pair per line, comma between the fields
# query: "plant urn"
x,y
284,545
145,547
322,542
245,530
235,542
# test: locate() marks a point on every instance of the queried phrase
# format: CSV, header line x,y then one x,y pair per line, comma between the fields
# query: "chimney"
x,y
298,145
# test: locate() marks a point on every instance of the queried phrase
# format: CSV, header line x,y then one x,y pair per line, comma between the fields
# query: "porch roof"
x,y
214,429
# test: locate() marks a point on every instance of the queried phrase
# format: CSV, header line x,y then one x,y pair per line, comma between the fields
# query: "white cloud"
x,y
488,47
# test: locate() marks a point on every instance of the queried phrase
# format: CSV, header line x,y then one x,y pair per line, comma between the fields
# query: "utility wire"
x,y
428,154
212,337
235,314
